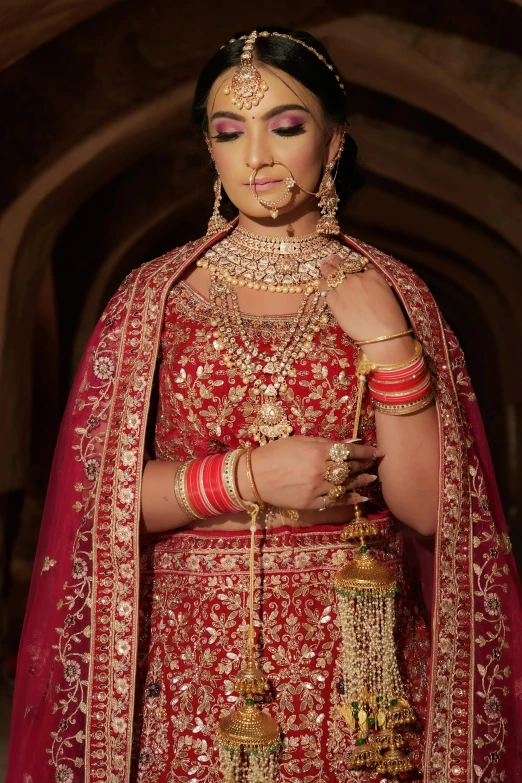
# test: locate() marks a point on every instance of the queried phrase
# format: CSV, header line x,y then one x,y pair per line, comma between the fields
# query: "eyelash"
x,y
295,130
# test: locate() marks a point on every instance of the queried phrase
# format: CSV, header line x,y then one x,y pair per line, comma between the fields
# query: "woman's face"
x,y
287,127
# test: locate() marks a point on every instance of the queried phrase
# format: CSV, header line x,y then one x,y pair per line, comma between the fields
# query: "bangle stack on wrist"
x,y
398,389
207,486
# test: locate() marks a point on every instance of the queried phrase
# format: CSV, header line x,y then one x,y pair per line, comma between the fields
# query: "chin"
x,y
258,212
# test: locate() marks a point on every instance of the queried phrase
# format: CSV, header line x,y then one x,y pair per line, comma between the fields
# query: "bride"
x,y
197,612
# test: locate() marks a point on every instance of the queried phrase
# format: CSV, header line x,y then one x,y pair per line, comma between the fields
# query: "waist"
x,y
279,549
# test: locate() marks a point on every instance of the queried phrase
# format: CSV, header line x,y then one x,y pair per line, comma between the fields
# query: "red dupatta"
x,y
74,696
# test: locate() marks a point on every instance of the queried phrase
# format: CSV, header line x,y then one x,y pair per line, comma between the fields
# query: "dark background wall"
x,y
101,171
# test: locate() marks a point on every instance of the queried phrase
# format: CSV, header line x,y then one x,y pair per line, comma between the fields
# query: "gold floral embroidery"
x,y
193,635
204,406
48,563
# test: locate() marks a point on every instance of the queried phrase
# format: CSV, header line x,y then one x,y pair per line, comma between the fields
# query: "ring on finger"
x,y
337,492
339,452
324,506
336,278
337,473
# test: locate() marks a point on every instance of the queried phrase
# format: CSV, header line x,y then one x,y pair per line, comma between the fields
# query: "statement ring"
x,y
337,492
339,452
337,473
336,278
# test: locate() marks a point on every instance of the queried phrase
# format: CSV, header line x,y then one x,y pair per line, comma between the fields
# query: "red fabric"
x,y
77,670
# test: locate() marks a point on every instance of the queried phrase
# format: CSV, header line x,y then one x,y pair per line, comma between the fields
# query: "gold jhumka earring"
x,y
217,222
328,198
374,705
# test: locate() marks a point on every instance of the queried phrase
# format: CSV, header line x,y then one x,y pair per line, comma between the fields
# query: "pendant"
x,y
271,420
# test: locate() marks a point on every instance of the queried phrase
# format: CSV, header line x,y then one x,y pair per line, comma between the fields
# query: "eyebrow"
x,y
230,115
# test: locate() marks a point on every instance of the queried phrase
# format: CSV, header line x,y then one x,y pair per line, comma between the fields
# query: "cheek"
x,y
226,161
303,156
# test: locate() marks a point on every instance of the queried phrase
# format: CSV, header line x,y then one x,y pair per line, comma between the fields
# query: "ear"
x,y
333,143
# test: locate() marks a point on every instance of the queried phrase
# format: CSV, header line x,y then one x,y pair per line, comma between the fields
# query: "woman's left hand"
x,y
364,305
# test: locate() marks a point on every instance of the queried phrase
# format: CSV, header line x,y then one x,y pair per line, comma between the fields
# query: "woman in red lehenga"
x,y
137,621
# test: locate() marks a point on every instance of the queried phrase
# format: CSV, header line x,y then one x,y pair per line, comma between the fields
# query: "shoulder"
x,y
400,276
162,268
154,274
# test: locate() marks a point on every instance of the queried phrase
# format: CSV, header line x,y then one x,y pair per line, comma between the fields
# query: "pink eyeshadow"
x,y
287,121
227,126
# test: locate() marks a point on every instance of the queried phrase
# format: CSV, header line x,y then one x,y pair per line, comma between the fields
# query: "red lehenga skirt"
x,y
193,636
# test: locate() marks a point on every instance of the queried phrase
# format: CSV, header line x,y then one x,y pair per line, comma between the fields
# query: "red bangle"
x,y
397,375
408,396
207,490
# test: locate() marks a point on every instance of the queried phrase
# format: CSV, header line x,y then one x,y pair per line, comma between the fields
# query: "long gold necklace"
x,y
267,372
281,265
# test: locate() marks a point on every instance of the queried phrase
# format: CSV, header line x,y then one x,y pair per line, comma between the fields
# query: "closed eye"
x,y
230,136
292,130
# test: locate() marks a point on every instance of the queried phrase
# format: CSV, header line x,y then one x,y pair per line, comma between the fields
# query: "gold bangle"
x,y
233,474
180,490
250,477
399,365
405,408
384,338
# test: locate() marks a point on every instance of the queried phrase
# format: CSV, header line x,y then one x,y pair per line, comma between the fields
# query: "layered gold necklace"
x,y
275,264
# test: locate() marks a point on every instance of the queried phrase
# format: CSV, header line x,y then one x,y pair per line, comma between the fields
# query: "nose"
x,y
257,152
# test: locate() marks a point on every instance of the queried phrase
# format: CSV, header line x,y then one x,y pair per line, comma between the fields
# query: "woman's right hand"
x,y
289,473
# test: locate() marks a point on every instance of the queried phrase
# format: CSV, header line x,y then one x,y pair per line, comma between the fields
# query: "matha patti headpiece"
x,y
248,86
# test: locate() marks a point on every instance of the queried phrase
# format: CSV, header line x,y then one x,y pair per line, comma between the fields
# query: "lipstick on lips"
x,y
263,183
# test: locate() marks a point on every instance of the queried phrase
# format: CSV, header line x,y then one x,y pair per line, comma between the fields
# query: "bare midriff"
x,y
269,519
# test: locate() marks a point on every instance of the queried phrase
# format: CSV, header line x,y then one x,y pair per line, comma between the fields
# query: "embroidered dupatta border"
x,y
115,589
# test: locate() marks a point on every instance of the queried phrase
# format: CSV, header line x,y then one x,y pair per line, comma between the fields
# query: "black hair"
x,y
305,67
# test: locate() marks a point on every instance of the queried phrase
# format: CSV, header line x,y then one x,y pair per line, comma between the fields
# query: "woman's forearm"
x,y
409,473
159,508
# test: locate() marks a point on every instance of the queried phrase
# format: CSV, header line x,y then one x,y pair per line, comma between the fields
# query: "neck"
x,y
297,223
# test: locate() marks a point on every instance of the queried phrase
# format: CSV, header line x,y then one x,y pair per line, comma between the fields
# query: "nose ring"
x,y
271,206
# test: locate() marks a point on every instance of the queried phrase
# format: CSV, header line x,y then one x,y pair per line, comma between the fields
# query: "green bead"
x,y
355,704
250,702
371,721
393,702
361,741
363,549
378,699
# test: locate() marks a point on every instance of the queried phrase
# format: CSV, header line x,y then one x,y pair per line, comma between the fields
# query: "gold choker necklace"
x,y
280,264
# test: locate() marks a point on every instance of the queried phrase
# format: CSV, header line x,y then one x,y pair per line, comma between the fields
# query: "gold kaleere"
x,y
249,739
374,705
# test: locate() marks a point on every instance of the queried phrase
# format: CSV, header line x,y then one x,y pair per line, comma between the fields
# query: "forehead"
x,y
282,89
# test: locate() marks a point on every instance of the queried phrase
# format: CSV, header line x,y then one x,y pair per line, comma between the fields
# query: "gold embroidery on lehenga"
x,y
193,633
203,407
